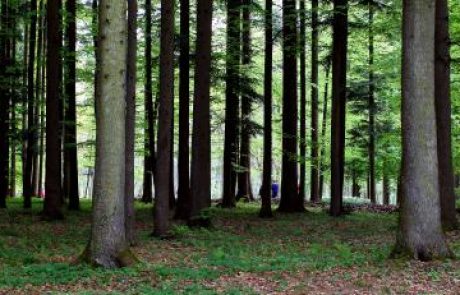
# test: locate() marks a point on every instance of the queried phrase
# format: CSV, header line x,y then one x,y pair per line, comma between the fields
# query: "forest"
x,y
229,146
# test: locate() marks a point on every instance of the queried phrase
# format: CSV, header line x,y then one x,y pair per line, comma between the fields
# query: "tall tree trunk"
x,y
420,232
303,102
25,51
130,123
289,185
53,201
201,141
162,196
266,209
4,105
244,180
149,147
339,96
184,195
386,187
108,246
314,192
70,145
443,116
27,173
371,147
42,109
231,101
321,165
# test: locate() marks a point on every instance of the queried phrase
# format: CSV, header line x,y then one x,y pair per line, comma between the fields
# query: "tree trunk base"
x,y
266,213
122,259
52,215
437,251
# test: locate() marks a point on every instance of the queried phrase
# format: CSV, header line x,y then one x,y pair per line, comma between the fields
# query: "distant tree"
x,y
444,115
339,85
420,232
371,106
303,100
53,200
162,173
108,246
322,162
201,141
266,209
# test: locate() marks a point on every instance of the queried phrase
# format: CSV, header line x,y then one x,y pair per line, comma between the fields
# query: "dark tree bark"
x,y
290,201
231,101
70,134
314,191
371,148
108,246
266,209
53,200
42,111
386,188
4,105
339,85
321,165
149,136
201,141
420,232
244,177
163,170
443,116
303,102
27,173
184,195
130,123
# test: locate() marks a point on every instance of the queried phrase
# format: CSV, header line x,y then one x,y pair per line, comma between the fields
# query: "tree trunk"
x,y
184,195
149,152
303,103
321,165
443,116
339,96
53,201
130,126
371,148
27,173
386,188
70,146
420,232
201,141
290,201
244,180
108,246
314,192
266,209
163,170
231,101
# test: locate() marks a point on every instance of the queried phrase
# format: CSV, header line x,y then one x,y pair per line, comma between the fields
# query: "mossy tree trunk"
x,y
420,233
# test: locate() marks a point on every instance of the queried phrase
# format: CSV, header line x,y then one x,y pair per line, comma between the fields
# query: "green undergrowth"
x,y
34,253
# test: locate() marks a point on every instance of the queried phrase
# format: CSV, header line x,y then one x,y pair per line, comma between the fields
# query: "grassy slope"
x,y
292,254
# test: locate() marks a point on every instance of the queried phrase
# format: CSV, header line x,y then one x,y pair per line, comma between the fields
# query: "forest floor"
x,y
309,253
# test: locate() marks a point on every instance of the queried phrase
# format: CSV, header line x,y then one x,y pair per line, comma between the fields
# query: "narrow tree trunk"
x,y
303,103
70,146
53,201
443,116
42,111
386,188
108,246
321,165
244,180
130,126
266,209
314,192
231,101
371,148
27,173
149,152
289,185
339,96
184,196
201,140
163,170
420,232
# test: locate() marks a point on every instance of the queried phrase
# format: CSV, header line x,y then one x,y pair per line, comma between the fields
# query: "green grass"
x,y
34,253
